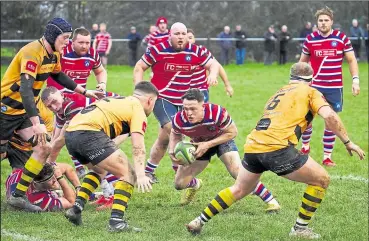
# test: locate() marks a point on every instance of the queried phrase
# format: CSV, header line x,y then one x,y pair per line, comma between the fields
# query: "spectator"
x,y
225,45
336,26
315,28
103,44
284,38
146,39
269,45
134,39
42,189
305,31
240,45
356,32
367,40
94,31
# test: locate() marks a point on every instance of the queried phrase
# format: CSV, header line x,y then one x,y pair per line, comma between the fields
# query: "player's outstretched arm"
x,y
69,196
57,145
333,122
139,156
213,67
138,71
174,138
354,70
223,75
70,173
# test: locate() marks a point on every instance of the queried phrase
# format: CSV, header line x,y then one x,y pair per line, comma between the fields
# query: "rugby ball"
x,y
183,151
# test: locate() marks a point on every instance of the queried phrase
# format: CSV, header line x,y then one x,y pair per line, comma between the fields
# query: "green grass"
x,y
342,216
7,52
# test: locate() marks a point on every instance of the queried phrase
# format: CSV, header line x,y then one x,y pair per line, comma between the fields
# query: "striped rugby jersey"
x,y
72,105
199,76
157,37
102,41
78,68
216,120
326,56
173,71
47,200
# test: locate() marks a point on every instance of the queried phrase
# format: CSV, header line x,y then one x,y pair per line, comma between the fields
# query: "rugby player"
x,y
271,147
89,138
173,63
325,49
212,131
199,77
161,34
20,88
103,43
78,60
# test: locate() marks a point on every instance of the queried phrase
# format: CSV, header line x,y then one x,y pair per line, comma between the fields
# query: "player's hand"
x,y
201,148
144,184
355,89
229,90
101,86
40,134
57,171
107,52
351,147
212,80
95,94
173,158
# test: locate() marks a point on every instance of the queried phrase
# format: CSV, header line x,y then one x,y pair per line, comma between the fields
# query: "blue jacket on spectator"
x,y
226,44
358,33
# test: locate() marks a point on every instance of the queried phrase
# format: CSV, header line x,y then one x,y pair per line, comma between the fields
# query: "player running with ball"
x,y
212,131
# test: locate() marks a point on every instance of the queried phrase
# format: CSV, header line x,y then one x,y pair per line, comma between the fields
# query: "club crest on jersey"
x,y
4,108
334,43
188,58
87,63
211,128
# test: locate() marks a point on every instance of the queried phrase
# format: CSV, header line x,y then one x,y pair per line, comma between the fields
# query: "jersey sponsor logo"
x,y
325,53
31,66
144,125
170,67
334,43
78,73
87,63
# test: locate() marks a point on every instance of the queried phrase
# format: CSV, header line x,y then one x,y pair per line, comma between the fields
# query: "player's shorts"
x,y
164,111
89,146
17,158
334,97
219,150
281,162
206,95
102,54
11,123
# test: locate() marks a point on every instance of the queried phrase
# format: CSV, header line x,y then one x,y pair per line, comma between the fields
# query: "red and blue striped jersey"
x,y
157,37
172,70
216,120
73,103
199,76
47,200
326,56
78,68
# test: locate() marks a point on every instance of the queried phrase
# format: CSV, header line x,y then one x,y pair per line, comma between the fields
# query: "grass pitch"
x,y
343,214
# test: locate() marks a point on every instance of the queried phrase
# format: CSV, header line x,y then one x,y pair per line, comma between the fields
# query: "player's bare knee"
x,y
179,185
325,180
237,191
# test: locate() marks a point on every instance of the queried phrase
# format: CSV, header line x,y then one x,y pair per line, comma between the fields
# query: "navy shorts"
x,y
219,150
164,111
206,95
334,97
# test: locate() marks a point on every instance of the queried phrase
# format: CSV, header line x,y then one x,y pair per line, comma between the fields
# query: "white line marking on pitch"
x,y
350,178
19,236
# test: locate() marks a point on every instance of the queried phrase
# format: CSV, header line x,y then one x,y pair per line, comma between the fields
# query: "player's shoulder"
x,y
313,36
339,34
31,50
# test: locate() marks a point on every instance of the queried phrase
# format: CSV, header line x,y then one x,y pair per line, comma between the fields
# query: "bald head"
x,y
178,36
301,71
355,23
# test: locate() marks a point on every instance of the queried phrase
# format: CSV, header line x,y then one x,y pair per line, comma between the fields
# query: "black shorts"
x,y
281,162
219,150
102,54
89,146
11,123
17,158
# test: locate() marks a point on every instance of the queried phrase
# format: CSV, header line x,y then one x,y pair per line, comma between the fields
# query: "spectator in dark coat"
x,y
284,38
240,44
305,31
95,30
134,39
269,45
367,41
225,45
356,32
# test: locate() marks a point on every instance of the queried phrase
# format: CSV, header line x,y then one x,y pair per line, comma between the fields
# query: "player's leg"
x,y
245,183
32,167
228,154
164,112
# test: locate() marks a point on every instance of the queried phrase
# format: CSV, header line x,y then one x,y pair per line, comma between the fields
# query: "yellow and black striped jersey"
x,y
34,60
